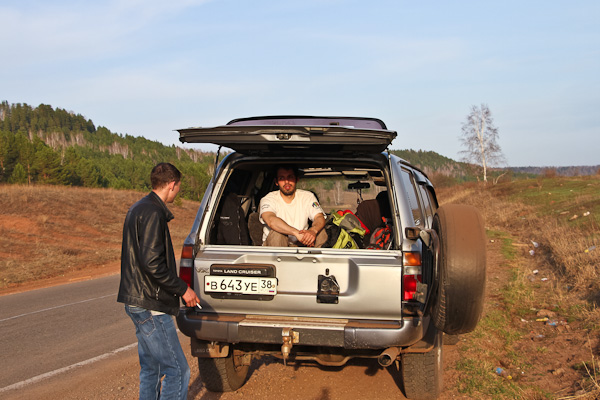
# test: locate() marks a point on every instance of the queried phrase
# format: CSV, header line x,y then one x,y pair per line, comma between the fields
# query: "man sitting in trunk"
x,y
286,213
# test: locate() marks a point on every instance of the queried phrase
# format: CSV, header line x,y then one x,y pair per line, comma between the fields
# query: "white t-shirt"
x,y
304,207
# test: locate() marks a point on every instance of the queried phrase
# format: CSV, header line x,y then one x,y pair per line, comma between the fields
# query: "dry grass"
x,y
49,231
571,251
537,225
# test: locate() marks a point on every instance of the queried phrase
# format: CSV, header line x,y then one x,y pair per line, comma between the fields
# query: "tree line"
x,y
54,146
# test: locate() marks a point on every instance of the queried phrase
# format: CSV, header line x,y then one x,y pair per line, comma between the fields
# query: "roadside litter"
x,y
502,372
549,318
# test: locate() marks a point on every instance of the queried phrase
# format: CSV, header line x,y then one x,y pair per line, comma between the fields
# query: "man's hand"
x,y
307,237
189,298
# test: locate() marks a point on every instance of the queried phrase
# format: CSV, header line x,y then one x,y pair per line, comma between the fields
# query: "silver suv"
x,y
415,271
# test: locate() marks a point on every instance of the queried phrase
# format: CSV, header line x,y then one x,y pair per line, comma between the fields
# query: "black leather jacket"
x,y
148,270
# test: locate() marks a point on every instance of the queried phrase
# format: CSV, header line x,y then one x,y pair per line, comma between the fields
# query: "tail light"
x,y
410,279
186,265
409,286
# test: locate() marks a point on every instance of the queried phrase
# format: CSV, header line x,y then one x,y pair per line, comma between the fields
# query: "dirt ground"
x,y
116,376
52,218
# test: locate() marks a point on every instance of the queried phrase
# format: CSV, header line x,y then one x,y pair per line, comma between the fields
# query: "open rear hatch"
x,y
296,134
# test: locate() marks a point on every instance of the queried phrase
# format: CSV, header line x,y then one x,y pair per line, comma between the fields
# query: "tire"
x,y
223,374
422,373
457,300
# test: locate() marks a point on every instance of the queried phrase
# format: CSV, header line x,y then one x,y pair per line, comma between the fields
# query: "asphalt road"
x,y
46,331
75,342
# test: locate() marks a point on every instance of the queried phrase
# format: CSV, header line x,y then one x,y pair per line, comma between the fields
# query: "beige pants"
x,y
276,239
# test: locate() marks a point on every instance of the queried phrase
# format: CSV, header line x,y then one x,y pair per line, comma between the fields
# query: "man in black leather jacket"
x,y
150,288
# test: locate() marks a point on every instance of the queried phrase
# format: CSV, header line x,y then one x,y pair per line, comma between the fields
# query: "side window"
x,y
427,204
411,195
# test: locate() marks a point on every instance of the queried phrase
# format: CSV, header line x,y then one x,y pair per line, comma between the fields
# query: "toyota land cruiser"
x,y
391,302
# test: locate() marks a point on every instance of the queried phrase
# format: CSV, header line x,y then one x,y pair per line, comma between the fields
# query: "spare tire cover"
x,y
457,299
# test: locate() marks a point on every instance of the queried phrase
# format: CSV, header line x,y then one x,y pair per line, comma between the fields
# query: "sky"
x,y
148,67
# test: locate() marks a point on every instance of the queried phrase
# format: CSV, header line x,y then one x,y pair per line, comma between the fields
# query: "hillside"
x,y
436,166
54,146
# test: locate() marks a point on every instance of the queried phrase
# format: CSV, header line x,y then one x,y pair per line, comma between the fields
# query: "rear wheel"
x,y
422,373
223,374
457,300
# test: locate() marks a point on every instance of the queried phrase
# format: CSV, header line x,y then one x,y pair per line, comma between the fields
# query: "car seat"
x,y
255,228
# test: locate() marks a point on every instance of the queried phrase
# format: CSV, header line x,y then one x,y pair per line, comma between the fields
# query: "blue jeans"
x,y
160,356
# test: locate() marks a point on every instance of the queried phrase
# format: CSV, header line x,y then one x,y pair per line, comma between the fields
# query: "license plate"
x,y
240,284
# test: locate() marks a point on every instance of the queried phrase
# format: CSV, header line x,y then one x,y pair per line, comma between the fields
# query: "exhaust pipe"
x,y
388,356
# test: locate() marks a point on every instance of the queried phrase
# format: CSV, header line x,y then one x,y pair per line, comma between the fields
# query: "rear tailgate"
x,y
369,282
266,138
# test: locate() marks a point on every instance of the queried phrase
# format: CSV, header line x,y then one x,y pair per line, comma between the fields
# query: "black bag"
x,y
231,224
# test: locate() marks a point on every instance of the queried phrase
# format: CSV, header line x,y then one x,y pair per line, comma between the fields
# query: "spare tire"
x,y
457,298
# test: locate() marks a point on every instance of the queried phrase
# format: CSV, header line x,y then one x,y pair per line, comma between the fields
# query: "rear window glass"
x,y
341,192
362,123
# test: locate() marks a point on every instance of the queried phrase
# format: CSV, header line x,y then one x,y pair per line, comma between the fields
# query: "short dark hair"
x,y
164,173
287,167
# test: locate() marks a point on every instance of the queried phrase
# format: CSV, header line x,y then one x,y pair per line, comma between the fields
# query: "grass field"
x,y
541,321
55,231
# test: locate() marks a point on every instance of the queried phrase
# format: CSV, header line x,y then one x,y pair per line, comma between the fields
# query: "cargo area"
x,y
233,272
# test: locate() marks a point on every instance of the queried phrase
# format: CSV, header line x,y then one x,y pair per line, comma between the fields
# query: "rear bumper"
x,y
348,334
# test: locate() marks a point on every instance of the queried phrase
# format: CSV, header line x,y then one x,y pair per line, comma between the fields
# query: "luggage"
x,y
231,224
344,231
381,239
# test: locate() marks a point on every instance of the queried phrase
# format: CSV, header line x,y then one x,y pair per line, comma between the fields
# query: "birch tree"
x,y
480,140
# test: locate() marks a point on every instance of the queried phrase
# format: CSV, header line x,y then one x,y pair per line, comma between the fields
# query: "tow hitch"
x,y
289,339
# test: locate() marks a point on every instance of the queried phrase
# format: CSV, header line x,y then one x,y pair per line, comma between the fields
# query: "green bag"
x,y
349,222
343,230
345,241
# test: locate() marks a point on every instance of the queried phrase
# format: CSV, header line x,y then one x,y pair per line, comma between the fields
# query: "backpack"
x,y
231,225
381,239
344,231
352,221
